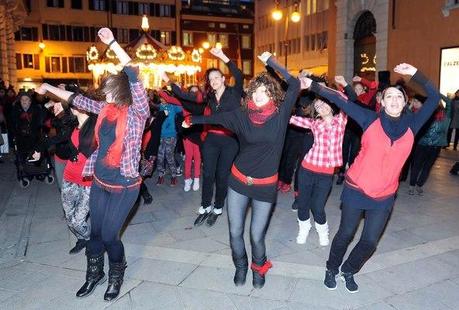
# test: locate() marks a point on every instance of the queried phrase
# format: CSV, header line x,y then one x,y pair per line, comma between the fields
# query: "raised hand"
x,y
305,82
164,77
217,52
36,156
105,35
264,57
356,79
57,108
405,69
339,79
185,124
41,90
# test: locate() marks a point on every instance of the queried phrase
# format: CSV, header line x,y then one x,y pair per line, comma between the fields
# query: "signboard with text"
x,y
449,70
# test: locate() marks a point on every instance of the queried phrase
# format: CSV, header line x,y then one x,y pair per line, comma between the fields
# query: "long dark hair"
x,y
118,86
208,89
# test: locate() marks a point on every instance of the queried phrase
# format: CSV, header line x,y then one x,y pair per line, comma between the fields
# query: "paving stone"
x,y
150,295
196,299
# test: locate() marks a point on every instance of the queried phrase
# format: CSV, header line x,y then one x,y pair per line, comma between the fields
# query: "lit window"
x,y
223,39
247,67
55,64
246,42
223,26
166,37
27,61
212,38
187,39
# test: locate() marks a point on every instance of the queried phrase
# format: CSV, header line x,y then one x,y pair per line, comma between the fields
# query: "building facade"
x,y
51,45
300,45
12,14
229,24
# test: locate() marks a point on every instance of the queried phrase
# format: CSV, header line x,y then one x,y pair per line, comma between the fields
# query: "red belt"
x,y
224,132
253,181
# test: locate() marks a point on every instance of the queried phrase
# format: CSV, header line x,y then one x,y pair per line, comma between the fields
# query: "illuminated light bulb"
x,y
206,45
277,14
218,45
295,17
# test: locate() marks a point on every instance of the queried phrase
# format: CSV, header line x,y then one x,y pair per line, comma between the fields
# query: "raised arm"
x,y
348,90
235,72
362,116
300,121
228,120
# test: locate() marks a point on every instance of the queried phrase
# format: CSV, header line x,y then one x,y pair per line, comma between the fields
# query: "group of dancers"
x,y
246,129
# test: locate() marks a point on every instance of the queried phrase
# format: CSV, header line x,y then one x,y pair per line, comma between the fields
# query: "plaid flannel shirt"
x,y
138,112
327,150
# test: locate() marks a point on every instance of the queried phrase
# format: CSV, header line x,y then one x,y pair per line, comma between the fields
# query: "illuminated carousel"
x,y
151,56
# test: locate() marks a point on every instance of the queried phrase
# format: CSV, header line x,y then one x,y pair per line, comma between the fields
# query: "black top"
x,y
260,145
394,128
155,128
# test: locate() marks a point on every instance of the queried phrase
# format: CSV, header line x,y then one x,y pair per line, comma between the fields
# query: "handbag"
x,y
146,166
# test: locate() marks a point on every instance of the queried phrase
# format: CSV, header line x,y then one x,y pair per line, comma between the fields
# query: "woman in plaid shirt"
x,y
114,166
316,174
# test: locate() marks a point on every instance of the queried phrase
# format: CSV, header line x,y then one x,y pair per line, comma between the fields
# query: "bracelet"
x,y
111,42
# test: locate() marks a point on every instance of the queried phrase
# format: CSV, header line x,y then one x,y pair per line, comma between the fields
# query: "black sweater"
x,y
260,145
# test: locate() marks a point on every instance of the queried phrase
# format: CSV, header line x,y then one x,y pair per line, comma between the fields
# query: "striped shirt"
x,y
138,112
327,150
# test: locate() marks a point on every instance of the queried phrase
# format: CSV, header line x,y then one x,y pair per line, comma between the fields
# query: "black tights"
x,y
237,211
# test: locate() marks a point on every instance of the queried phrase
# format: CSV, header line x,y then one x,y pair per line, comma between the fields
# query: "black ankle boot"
x,y
241,265
94,275
259,270
115,280
80,245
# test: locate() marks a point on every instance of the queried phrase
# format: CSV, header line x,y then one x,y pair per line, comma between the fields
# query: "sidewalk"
x,y
173,265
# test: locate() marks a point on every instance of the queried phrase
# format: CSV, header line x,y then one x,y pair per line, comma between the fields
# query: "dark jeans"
x,y
237,211
109,211
351,147
218,154
375,221
290,154
313,194
308,141
423,159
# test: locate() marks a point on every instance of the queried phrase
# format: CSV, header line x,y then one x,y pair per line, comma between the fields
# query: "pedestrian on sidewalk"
x,y
260,126
372,180
220,145
114,166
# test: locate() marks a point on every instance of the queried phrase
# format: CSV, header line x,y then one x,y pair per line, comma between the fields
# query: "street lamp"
x,y
295,17
206,45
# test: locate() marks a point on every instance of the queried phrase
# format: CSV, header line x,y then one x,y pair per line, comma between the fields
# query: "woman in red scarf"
x,y
114,166
260,126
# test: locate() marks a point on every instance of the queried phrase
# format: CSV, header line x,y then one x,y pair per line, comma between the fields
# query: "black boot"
x,y
455,169
94,274
241,265
259,270
115,280
80,245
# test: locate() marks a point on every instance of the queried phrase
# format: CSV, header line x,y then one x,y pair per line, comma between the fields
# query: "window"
x,y
77,33
166,37
55,64
212,38
55,3
77,64
55,32
27,61
245,27
164,10
187,39
76,4
211,25
123,35
144,9
212,63
223,26
97,5
246,42
26,34
223,39
247,67
122,7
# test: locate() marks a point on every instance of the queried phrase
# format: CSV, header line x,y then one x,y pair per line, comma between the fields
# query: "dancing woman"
x,y
372,180
114,166
220,146
260,126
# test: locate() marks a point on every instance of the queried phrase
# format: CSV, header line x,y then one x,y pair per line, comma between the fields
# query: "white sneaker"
x,y
187,186
322,230
303,231
196,184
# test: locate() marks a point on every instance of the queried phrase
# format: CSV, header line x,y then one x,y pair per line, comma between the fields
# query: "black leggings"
x,y
218,154
375,221
237,211
314,189
109,211
424,158
351,147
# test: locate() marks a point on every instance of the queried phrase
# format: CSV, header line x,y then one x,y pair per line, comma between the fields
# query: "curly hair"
x,y
273,89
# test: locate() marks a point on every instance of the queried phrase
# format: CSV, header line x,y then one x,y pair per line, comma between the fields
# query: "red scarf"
x,y
259,115
118,114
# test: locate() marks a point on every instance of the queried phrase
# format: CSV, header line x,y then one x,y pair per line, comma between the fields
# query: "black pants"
x,y
308,141
351,147
375,221
423,159
290,154
456,137
237,211
218,154
109,211
313,194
